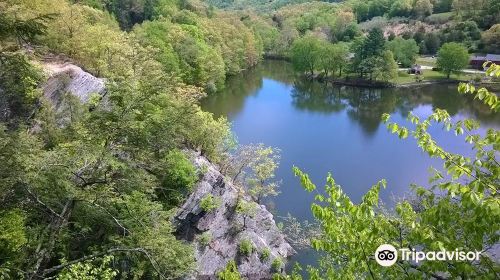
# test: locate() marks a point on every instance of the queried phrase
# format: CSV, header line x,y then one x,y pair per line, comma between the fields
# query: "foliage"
x,y
460,209
246,209
441,18
401,8
489,98
230,272
367,51
305,54
178,177
422,8
265,254
334,58
22,30
252,168
277,264
105,181
430,44
263,167
405,51
12,233
202,50
184,52
466,33
108,178
485,13
452,57
209,203
386,67
205,238
245,247
18,79
491,39
89,271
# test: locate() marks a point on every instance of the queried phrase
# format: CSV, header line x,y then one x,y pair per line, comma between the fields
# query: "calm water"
x,y
325,129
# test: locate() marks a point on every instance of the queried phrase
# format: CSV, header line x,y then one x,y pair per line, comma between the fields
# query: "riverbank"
x,y
402,81
358,82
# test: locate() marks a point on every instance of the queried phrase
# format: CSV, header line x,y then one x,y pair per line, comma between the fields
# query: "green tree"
x,y
460,210
334,58
491,39
431,44
19,79
401,8
422,8
386,67
405,51
366,52
466,33
252,168
452,57
263,168
247,209
305,54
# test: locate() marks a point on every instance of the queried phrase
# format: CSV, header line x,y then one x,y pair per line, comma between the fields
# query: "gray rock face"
x,y
225,225
69,78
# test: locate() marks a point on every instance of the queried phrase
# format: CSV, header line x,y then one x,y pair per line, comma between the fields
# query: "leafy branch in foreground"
x,y
460,211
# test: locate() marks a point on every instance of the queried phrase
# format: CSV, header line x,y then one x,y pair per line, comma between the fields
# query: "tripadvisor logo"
x,y
387,255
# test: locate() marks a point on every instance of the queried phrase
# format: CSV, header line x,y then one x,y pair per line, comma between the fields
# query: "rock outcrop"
x,y
69,78
225,227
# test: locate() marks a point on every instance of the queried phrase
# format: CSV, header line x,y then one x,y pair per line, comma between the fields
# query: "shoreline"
x,y
362,83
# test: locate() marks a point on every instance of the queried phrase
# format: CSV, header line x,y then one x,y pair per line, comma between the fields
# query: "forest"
x,y
89,190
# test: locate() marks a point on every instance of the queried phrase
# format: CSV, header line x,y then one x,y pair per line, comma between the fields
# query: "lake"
x,y
322,128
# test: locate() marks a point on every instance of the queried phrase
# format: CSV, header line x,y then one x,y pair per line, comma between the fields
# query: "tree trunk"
x,y
43,252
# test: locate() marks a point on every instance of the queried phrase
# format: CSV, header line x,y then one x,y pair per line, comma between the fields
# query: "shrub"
x,y
277,264
210,203
203,170
441,18
205,238
265,254
245,247
179,177
180,173
230,272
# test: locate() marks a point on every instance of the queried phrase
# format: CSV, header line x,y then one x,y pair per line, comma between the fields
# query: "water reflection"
x,y
365,106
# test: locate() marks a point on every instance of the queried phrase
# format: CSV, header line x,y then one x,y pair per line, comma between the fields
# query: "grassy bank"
x,y
429,75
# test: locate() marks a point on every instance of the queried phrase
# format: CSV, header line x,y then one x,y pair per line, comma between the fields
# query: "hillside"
x,y
111,169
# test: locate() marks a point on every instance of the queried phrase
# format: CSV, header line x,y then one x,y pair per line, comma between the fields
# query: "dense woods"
x,y
97,191
88,191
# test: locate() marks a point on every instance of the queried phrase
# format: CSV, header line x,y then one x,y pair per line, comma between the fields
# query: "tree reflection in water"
x,y
363,105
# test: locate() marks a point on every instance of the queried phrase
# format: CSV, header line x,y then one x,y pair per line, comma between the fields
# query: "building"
x,y
477,61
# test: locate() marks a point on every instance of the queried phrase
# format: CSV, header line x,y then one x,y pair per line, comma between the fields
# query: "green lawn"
x,y
426,61
428,75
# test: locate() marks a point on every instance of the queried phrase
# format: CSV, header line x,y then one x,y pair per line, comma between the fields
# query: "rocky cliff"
x,y
224,225
66,77
226,228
